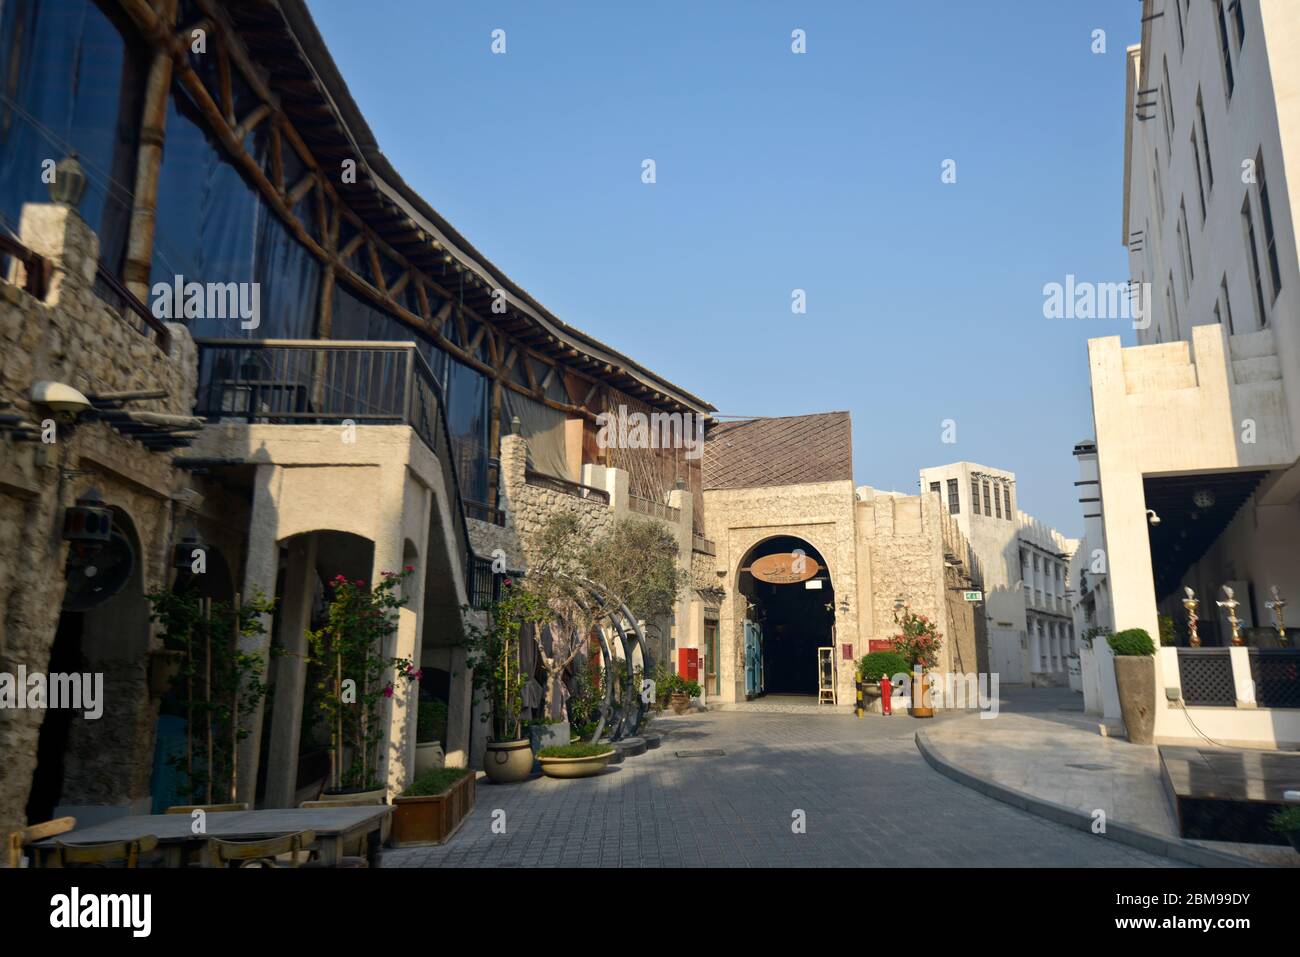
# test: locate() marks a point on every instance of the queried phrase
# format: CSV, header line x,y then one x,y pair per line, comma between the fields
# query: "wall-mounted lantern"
x,y
87,526
69,183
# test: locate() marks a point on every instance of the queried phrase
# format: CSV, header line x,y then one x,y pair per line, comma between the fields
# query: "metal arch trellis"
x,y
624,718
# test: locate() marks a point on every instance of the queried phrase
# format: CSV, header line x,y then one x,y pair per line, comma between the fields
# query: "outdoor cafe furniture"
x,y
334,827
126,853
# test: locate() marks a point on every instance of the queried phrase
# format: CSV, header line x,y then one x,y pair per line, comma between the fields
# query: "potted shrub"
x,y
1287,822
877,665
356,678
919,644
493,657
430,728
1135,679
575,760
679,692
433,807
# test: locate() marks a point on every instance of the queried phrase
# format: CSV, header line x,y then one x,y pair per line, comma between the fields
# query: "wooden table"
x,y
333,826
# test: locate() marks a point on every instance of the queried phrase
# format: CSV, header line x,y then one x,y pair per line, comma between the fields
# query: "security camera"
x,y
1152,517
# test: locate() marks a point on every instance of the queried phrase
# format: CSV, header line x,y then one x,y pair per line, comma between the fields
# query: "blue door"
x,y
753,659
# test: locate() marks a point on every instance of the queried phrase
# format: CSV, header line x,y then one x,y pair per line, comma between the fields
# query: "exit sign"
x,y
973,595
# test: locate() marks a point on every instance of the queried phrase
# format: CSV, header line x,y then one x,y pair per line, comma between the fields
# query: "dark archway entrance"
x,y
787,623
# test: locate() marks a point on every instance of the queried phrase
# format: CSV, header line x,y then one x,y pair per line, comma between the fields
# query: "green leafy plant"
x,y
1132,642
1090,634
881,664
431,721
673,683
435,781
1286,821
356,674
575,751
918,641
1168,631
220,685
493,655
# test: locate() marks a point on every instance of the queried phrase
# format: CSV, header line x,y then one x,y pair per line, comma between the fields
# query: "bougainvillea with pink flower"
x,y
357,672
919,640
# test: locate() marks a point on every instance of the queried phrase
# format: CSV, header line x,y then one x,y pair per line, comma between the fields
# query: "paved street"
x,y
868,796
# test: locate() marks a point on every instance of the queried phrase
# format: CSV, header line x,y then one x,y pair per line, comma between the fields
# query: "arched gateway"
x,y
789,614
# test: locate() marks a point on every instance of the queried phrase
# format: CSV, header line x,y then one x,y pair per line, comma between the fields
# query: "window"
x,y
934,487
988,512
975,496
1205,141
997,502
1225,55
954,502
1270,238
1172,306
1006,500
1160,189
1200,181
1227,305
1186,250
1252,258
1239,20
1182,37
1168,101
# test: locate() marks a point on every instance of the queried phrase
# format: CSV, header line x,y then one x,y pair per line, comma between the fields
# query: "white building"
x,y
1196,427
1024,565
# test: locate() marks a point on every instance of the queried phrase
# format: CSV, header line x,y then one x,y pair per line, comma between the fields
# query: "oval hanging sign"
x,y
785,568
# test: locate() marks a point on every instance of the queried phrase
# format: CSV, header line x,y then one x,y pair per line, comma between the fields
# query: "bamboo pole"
x,y
189,713
144,208
338,719
234,704
207,687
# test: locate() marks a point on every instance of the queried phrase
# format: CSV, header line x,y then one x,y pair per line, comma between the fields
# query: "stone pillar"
x,y
259,575
291,673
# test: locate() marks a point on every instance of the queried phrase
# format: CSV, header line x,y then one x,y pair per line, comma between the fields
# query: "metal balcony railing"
x,y
323,382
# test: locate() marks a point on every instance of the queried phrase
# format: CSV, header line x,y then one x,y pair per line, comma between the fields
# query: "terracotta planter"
x,y
428,755
432,819
506,762
921,701
680,702
1135,679
576,767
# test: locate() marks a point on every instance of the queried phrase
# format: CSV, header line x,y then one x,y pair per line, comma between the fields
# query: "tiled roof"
x,y
792,450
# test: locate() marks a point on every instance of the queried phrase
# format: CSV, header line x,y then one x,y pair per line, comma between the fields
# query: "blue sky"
x,y
776,172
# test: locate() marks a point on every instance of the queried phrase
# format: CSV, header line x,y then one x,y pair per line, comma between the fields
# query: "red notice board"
x,y
688,663
878,644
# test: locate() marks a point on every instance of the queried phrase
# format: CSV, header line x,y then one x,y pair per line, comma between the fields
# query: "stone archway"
x,y
102,639
779,627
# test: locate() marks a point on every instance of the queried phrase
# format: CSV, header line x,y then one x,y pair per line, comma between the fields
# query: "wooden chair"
x,y
359,848
15,841
101,855
291,850
206,808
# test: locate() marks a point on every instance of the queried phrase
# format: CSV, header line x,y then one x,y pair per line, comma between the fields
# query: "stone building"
x,y
1024,565
1192,480
784,486
335,395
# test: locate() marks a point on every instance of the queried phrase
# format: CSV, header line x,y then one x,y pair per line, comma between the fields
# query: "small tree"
x,y
357,675
632,564
492,654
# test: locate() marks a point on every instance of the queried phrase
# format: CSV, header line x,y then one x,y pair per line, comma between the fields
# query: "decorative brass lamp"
x,y
1191,604
1275,606
1231,604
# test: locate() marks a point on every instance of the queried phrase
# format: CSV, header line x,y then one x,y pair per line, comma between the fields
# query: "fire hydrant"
x,y
886,687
